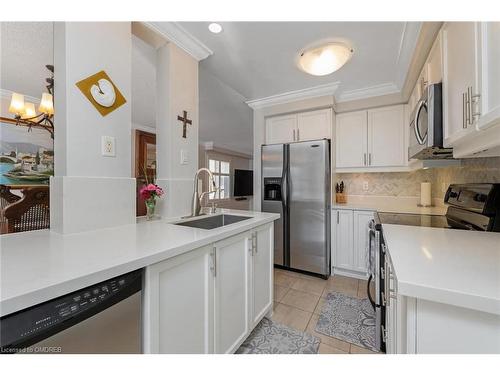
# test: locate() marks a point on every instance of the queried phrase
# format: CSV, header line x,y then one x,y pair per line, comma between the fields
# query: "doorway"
x,y
145,165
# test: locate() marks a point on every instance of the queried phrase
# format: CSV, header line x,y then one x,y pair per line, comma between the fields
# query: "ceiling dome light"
x,y
215,28
324,60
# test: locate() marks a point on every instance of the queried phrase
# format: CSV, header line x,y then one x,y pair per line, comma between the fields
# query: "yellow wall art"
x,y
101,92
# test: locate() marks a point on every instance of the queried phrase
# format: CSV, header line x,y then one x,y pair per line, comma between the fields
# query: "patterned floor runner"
x,y
349,319
273,338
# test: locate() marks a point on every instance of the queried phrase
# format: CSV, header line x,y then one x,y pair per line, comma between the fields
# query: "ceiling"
x,y
258,59
26,48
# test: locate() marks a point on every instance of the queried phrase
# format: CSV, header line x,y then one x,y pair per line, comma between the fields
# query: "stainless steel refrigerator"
x,y
296,184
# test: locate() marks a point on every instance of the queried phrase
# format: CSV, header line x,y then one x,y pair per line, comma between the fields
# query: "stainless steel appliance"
x,y
102,318
426,126
470,207
296,184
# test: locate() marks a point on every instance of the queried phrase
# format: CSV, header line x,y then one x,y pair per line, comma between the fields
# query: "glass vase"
x,y
150,208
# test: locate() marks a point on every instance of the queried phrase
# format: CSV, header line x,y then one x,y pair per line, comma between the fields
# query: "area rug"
x,y
273,338
349,319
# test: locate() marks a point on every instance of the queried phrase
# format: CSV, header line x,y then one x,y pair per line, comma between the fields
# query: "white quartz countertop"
x,y
40,265
406,205
451,266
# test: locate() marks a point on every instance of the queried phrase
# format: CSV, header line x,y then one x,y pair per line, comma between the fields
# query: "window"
x,y
220,170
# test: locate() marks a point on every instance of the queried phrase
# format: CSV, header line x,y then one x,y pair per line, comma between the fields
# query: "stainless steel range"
x,y
470,207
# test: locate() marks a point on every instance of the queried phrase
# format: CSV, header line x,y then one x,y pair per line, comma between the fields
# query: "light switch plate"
x,y
108,146
184,157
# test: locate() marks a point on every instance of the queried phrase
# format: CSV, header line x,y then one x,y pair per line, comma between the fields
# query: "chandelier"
x,y
25,113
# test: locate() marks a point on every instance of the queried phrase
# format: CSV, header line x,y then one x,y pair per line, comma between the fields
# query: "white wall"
x,y
91,191
83,49
259,121
143,83
177,90
225,118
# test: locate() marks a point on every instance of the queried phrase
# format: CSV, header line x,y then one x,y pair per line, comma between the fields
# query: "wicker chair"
x,y
31,212
6,198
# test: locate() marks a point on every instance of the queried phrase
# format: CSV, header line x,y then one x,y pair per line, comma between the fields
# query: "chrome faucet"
x,y
197,198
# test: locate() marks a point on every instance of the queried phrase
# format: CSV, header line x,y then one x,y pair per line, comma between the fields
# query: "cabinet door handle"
x,y
468,105
213,256
250,245
338,217
474,99
464,123
370,158
254,242
298,134
364,158
294,134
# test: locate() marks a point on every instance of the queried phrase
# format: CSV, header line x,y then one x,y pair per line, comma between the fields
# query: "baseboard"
x,y
349,273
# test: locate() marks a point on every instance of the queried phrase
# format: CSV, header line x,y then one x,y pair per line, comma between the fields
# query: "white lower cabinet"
x,y
420,326
178,304
232,292
210,299
262,273
349,240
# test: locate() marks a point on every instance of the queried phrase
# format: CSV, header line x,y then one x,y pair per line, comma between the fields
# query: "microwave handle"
x,y
421,140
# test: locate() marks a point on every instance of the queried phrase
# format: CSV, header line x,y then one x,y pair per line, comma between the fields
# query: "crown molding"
x,y
368,92
291,96
407,44
7,94
176,34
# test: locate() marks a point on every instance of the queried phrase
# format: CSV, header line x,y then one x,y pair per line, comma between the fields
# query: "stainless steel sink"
x,y
212,222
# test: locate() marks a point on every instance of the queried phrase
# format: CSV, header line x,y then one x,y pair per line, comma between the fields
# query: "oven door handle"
x,y
368,291
421,140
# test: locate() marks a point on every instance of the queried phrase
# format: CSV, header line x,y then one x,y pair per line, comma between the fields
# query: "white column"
x,y
176,91
91,191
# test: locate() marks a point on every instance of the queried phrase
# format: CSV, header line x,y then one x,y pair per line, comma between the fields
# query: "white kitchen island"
x,y
443,290
204,290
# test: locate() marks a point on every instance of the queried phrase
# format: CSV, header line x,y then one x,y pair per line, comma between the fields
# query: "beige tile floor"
x,y
298,300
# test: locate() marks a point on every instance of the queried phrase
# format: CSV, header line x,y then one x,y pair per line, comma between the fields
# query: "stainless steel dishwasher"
x,y
101,318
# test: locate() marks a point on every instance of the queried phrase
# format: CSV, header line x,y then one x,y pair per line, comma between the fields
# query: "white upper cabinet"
x,y
281,129
351,141
304,126
489,47
434,64
386,146
460,84
370,139
314,125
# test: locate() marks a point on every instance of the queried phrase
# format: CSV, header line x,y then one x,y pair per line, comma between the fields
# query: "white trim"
x,y
7,94
368,92
291,96
183,39
407,45
349,273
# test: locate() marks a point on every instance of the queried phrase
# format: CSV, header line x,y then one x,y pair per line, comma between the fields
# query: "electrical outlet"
x,y
365,186
108,146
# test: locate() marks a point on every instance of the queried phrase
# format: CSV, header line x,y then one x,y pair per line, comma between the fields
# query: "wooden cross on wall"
x,y
185,122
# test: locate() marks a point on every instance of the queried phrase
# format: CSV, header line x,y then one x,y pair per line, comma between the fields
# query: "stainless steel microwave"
x,y
426,127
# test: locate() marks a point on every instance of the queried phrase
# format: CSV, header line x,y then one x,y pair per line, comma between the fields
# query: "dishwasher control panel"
x,y
33,324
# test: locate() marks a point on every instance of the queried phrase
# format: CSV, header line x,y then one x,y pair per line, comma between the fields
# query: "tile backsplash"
x,y
408,183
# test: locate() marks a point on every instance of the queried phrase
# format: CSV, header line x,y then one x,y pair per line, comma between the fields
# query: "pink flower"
x,y
151,191
159,191
145,193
